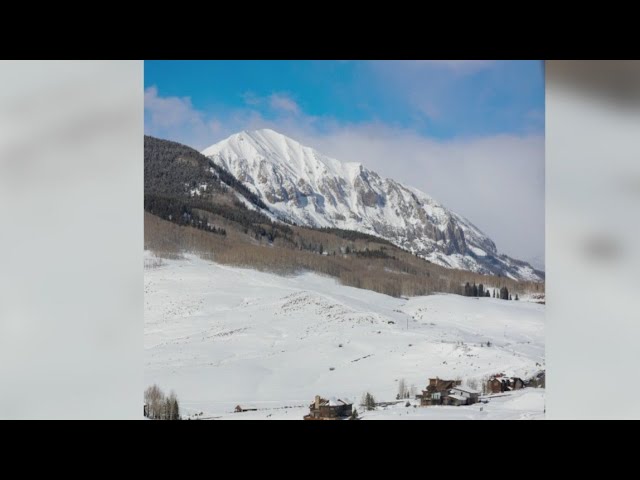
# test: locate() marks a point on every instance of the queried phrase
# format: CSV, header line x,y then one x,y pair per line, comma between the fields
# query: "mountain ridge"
x,y
301,185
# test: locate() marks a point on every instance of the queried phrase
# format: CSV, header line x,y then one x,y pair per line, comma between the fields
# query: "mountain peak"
x,y
267,145
265,131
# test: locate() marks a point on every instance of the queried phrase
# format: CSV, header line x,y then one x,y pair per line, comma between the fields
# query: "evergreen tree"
x,y
517,297
481,290
368,402
504,293
475,289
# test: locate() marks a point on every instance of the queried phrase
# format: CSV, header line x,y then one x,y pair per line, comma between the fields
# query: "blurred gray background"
x,y
71,281
592,213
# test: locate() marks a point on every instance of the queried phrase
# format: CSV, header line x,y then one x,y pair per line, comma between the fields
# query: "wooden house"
x,y
498,384
331,409
436,390
501,383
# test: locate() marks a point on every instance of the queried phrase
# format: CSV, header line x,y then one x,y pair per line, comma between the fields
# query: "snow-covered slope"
x,y
221,336
301,185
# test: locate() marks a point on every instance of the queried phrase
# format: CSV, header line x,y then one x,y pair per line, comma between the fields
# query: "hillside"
x,y
222,336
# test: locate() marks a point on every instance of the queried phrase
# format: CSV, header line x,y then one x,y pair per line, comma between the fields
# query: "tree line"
x,y
355,235
179,211
480,291
366,253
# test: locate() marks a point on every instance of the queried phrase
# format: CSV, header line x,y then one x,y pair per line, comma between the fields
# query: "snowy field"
x,y
526,404
222,336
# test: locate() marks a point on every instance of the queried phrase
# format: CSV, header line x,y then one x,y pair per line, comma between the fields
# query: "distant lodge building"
x,y
447,392
331,409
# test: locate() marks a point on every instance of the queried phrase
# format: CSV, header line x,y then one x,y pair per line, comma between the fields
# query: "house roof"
x,y
455,396
335,402
465,389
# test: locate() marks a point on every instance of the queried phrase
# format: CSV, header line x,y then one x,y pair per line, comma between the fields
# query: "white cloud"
x,y
251,99
277,102
169,111
175,118
284,103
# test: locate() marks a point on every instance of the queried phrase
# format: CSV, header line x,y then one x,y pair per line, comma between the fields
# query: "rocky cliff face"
x,y
300,185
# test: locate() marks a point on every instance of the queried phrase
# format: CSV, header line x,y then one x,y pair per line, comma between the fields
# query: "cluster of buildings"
x,y
438,392
451,392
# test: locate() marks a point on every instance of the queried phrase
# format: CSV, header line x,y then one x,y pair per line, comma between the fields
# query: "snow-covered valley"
x,y
222,336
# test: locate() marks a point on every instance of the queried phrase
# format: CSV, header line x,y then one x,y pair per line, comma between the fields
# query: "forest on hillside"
x,y
359,263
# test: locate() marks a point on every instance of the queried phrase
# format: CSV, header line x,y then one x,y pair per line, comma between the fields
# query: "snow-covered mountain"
x,y
301,185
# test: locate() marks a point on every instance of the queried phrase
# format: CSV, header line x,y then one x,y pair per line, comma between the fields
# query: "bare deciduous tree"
x,y
472,383
160,407
402,389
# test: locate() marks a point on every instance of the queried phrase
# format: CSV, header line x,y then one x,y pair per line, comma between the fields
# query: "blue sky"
x,y
469,133
442,101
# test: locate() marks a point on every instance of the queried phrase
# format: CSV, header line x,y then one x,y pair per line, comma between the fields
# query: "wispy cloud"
x,y
462,97
177,118
277,102
251,99
284,103
169,111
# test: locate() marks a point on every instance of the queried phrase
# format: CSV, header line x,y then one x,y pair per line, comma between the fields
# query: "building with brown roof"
x,y
436,391
329,409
